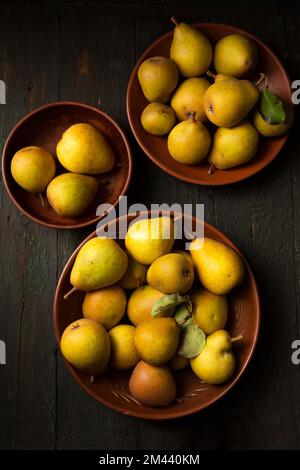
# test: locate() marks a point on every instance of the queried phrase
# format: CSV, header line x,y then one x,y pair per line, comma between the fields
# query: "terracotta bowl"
x,y
156,147
44,127
111,388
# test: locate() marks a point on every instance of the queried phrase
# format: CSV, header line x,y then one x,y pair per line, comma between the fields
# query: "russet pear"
x,y
189,97
158,77
106,306
235,55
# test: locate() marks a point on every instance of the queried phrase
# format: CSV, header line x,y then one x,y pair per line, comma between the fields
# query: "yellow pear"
x,y
106,306
123,351
33,168
172,273
209,310
99,263
140,304
273,130
70,194
189,97
191,50
83,149
148,239
233,146
216,363
135,275
189,142
158,77
219,267
158,119
235,55
156,340
85,344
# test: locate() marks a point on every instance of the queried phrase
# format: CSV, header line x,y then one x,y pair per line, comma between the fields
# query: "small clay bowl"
x,y
111,388
43,127
156,147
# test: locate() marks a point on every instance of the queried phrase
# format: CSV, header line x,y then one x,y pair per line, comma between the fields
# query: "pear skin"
x,y
123,352
135,275
140,304
172,273
189,97
235,55
210,311
158,119
106,306
158,77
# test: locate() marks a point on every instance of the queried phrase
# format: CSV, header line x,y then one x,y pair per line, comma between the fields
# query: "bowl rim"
x,y
156,415
163,166
5,157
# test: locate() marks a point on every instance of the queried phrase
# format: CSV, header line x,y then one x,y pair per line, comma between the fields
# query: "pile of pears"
x,y
153,309
220,121
83,151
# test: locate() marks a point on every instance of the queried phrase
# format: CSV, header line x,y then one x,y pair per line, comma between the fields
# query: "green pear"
x,y
219,267
172,273
235,55
70,194
190,50
233,146
189,97
83,149
158,77
158,119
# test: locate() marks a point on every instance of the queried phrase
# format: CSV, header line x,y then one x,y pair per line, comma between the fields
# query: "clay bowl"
x,y
156,147
111,388
44,127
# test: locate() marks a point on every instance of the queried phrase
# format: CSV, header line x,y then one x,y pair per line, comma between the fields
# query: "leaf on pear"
x,y
192,341
168,302
271,107
183,314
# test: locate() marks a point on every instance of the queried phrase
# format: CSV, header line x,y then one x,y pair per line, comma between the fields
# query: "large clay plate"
x,y
156,147
44,127
111,388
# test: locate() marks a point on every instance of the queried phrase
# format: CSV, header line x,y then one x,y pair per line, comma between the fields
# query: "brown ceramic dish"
x,y
111,388
44,127
156,147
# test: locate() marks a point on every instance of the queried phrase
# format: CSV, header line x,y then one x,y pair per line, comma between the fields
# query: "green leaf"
x,y
167,302
183,314
192,341
271,107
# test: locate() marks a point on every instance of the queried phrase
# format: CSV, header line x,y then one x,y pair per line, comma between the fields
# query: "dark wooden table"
x,y
86,53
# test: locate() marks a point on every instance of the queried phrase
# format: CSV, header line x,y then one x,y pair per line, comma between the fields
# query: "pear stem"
x,y
186,318
236,338
174,21
262,77
211,169
41,199
68,294
191,116
210,74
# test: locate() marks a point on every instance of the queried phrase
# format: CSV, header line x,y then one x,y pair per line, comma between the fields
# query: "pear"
x,y
99,263
189,142
85,344
33,168
273,130
233,146
172,273
219,267
70,194
235,55
189,97
135,275
156,340
178,362
152,386
158,77
106,306
83,149
140,304
148,239
123,352
158,119
209,310
216,363
191,50
229,100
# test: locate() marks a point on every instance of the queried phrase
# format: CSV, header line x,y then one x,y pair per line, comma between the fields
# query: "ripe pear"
x,y
273,130
178,362
158,119
191,50
152,386
85,344
235,55
33,168
189,97
70,194
156,340
148,239
106,306
229,100
209,310
158,77
140,304
216,363
189,142
219,267
135,275
83,149
233,146
123,352
172,273
99,263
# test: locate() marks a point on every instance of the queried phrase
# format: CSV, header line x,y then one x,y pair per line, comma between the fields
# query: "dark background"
x,y
85,52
